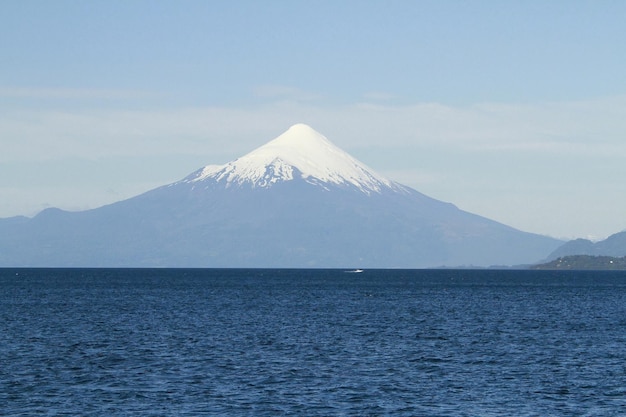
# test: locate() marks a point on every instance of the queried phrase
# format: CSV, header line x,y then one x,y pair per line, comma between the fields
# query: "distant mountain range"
x,y
614,246
298,201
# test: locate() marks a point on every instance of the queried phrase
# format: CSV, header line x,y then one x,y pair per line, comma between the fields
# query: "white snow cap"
x,y
302,149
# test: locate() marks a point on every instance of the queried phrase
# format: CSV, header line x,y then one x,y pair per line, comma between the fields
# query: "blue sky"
x,y
515,110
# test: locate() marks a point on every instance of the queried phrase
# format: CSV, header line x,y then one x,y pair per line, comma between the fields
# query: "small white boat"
x,y
355,271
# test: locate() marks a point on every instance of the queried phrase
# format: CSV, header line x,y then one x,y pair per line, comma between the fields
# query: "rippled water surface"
x,y
312,342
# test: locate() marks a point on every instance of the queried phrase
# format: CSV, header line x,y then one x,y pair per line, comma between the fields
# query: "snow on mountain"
x,y
300,152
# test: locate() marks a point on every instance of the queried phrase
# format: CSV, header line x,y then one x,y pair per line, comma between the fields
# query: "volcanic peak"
x,y
300,151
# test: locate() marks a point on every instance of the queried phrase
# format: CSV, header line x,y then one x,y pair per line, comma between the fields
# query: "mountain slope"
x,y
298,201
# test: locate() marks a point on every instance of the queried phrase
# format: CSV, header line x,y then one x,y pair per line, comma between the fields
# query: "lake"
x,y
189,342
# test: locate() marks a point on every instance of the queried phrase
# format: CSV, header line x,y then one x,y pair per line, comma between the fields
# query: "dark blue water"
x,y
312,342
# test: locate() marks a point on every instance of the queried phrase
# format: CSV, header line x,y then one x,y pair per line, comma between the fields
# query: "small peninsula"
x,y
584,262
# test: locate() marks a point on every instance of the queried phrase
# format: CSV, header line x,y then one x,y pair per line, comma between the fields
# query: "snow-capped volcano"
x,y
297,201
300,152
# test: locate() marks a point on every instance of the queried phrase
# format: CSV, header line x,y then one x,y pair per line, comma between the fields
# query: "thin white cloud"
x,y
282,92
71,93
596,127
379,96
